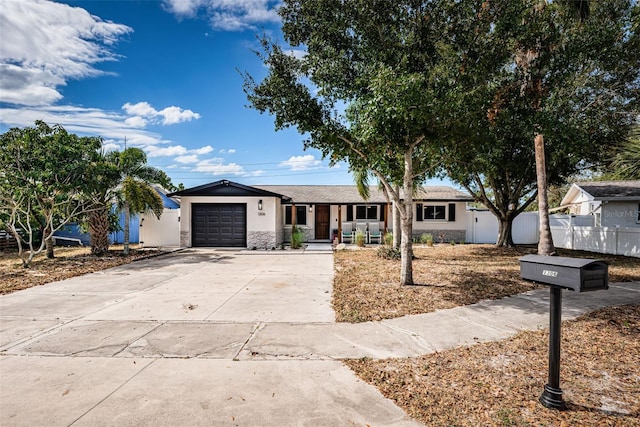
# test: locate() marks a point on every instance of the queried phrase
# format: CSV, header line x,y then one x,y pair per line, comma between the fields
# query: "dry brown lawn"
x,y
499,383
366,287
68,262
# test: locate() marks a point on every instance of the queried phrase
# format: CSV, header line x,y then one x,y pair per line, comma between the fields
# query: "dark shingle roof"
x,y
612,190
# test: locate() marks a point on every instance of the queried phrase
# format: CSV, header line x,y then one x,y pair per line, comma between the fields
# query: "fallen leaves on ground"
x,y
366,287
69,262
499,383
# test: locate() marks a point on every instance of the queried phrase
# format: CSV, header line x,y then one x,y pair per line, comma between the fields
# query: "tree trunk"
x,y
47,235
127,214
545,244
406,244
99,231
505,233
397,227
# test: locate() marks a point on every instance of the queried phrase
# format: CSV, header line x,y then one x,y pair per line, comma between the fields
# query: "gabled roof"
x,y
226,188
605,191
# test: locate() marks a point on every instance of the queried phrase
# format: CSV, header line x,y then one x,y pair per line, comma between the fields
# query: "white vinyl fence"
x,y
161,232
575,232
483,227
605,240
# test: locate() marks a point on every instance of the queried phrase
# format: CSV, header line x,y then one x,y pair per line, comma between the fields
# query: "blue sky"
x,y
162,75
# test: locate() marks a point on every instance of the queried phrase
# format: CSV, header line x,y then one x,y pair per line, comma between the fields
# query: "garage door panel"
x,y
219,225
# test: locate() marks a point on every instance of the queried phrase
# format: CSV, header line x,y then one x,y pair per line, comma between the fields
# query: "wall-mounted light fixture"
x,y
310,208
260,204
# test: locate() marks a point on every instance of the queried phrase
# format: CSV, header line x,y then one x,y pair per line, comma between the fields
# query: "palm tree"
x,y
626,162
136,177
533,84
101,189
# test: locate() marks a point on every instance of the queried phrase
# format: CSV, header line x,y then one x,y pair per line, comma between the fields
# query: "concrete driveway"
x,y
166,342
217,338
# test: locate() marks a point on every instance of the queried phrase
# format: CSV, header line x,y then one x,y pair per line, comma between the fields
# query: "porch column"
x,y
339,223
386,217
293,215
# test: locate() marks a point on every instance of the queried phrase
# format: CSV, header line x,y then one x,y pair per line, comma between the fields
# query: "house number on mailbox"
x,y
550,273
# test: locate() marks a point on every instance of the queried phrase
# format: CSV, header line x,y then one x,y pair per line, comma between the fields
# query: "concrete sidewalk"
x,y
225,338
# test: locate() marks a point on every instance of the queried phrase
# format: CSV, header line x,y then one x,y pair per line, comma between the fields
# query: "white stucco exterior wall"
x,y
262,225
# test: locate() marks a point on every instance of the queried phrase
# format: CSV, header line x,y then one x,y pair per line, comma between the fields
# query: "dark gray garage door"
x,y
219,225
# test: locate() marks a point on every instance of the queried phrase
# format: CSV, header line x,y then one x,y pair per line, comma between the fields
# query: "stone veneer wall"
x,y
448,235
279,236
306,230
261,239
185,239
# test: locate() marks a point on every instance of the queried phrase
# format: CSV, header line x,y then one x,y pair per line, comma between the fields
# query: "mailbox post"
x,y
576,274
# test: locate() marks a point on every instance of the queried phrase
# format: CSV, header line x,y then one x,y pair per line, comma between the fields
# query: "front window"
x,y
301,215
366,212
435,212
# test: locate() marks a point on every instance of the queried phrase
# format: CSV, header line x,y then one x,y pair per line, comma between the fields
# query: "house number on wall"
x,y
262,214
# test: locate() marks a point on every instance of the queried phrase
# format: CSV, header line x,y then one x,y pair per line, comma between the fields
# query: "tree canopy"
x,y
43,171
372,88
567,70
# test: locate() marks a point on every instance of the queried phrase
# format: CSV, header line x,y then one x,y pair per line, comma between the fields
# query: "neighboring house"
x,y
72,233
612,203
228,214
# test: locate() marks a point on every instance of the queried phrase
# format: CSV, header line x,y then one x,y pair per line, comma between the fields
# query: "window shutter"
x,y
301,215
452,211
419,212
287,214
349,212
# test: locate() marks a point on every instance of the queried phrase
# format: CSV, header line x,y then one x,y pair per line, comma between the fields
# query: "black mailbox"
x,y
577,274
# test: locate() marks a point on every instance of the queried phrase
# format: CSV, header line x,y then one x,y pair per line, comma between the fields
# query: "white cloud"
x,y
203,150
228,15
301,163
174,150
44,44
227,151
136,122
140,109
173,115
214,168
168,116
109,125
183,7
231,151
191,158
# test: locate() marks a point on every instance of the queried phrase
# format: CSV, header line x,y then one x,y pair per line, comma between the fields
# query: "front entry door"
x,y
322,222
